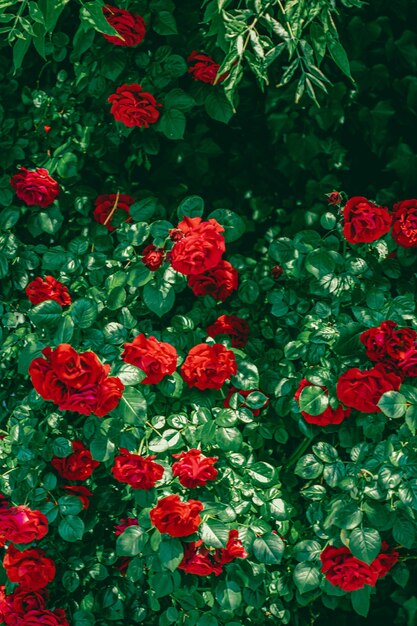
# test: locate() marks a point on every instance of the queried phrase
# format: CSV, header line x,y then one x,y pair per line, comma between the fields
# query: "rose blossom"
x,y
156,358
20,524
176,518
236,327
35,187
404,223
364,221
208,366
198,560
362,390
104,206
201,247
204,68
77,466
153,257
219,283
47,288
134,107
32,569
130,27
137,471
193,468
395,348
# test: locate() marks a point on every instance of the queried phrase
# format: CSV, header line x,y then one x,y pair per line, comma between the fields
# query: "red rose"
x,y
176,518
277,271
236,327
204,68
83,401
345,571
234,549
137,471
47,288
208,366
362,390
19,524
385,560
334,198
46,382
77,466
198,560
156,358
20,602
130,27
404,223
219,282
200,249
80,492
153,257
32,569
42,617
395,347
106,207
76,370
134,107
109,392
364,221
329,415
194,469
35,187
243,405
125,523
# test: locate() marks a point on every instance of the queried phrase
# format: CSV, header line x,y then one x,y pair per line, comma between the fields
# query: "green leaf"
x,y
130,374
319,263
404,532
62,447
159,297
217,106
116,298
171,553
361,600
131,541
51,10
191,206
84,312
92,14
232,223
339,56
4,266
20,48
268,549
365,544
71,528
101,448
228,595
132,407
143,210
214,533
393,404
46,313
70,505
247,376
313,400
172,124
65,330
83,618
308,467
165,24
306,577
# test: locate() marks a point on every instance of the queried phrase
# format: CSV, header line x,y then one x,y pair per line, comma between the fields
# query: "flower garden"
x,y
208,234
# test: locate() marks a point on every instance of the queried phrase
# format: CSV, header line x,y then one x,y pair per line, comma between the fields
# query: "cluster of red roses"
x,y
197,253
75,381
47,288
31,569
205,367
345,571
131,105
365,222
394,350
171,515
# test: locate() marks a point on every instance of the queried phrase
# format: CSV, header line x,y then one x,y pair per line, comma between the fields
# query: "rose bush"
x,y
207,397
